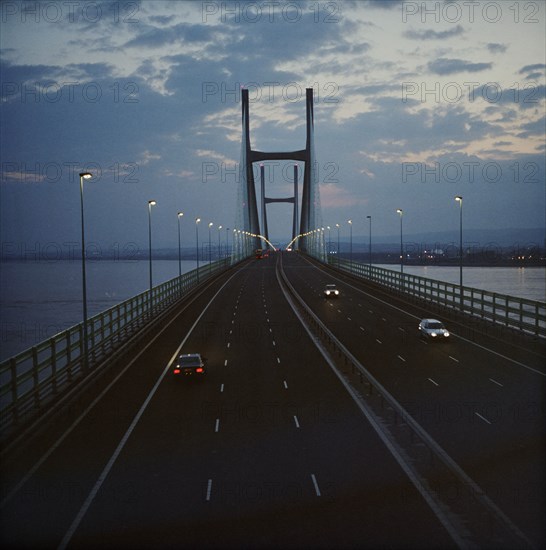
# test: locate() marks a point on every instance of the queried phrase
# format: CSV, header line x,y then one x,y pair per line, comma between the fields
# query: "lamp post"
x,y
459,199
150,204
227,242
219,227
350,222
197,220
179,215
86,176
401,212
337,225
210,249
329,241
370,243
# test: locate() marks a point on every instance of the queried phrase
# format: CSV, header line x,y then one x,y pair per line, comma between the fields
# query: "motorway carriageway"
x,y
269,449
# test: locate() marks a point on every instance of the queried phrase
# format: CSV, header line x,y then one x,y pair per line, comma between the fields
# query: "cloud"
x,y
496,48
334,196
530,68
534,128
444,66
156,37
146,157
429,34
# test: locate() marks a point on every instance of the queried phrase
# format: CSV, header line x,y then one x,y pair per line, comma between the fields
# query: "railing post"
x,y
13,372
35,381
53,355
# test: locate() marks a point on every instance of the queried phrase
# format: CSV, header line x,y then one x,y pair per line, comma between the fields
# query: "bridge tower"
x,y
247,211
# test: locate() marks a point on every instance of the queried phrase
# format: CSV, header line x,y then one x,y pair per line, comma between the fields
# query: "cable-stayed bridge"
x,y
320,422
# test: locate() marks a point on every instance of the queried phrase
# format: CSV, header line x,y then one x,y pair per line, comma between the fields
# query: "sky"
x,y
415,102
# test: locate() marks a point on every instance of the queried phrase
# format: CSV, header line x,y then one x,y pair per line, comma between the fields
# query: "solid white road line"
x,y
482,417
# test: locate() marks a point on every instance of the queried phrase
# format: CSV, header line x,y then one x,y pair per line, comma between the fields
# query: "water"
x,y
522,282
41,299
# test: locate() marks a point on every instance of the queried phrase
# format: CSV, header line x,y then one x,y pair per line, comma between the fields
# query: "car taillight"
x,y
176,371
199,369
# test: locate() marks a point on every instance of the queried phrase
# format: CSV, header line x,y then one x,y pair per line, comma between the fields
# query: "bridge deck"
x,y
269,449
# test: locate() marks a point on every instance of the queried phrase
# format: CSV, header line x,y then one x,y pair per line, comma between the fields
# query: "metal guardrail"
x,y
509,311
34,377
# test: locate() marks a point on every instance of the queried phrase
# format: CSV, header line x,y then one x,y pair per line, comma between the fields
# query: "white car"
x,y
433,329
331,291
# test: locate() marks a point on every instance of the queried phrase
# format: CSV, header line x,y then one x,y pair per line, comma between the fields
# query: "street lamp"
x,y
401,212
329,241
210,250
227,242
179,215
197,220
459,199
337,225
150,204
370,245
84,176
350,222
219,227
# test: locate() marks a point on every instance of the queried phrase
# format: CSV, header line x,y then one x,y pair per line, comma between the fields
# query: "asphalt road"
x,y
481,399
269,449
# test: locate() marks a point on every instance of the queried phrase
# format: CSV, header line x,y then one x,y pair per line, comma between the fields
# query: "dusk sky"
x,y
415,102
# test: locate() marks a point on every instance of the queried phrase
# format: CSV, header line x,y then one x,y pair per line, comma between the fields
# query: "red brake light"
x,y
176,371
199,369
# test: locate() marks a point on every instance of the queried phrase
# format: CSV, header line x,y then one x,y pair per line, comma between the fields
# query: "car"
x,y
433,329
331,291
190,364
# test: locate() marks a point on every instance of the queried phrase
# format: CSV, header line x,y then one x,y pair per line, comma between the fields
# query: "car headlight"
x,y
327,293
337,292
446,333
433,334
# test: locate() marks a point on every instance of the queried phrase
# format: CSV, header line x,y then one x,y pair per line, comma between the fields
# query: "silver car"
x,y
331,291
433,329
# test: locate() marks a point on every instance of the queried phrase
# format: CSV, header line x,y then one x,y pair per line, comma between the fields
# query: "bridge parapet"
x,y
524,315
34,378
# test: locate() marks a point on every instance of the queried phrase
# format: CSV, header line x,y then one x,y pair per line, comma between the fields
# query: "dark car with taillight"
x,y
190,364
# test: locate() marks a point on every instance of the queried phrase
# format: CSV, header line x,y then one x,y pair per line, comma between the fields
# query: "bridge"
x,y
320,423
